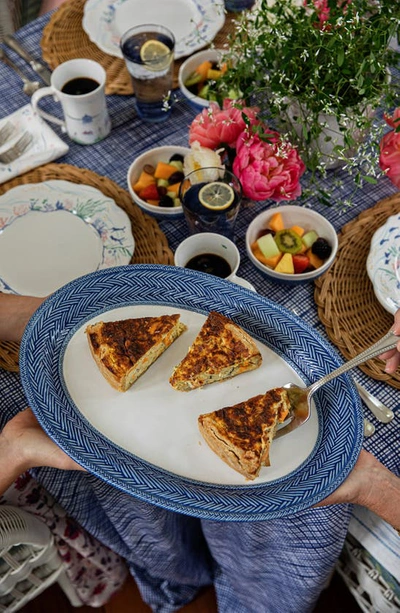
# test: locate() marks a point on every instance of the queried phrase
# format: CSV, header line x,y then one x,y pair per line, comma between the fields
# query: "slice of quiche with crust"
x,y
123,350
241,435
221,350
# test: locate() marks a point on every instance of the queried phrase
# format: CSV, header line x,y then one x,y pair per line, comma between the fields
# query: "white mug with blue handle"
x,y
79,85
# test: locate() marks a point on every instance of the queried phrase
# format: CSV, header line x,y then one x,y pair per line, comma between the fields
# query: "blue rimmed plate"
x,y
55,231
146,441
194,23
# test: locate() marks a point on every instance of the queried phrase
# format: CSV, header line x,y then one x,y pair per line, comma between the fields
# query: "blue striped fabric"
x,y
268,567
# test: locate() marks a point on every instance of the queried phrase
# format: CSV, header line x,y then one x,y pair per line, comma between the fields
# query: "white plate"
x,y
383,264
56,231
146,441
193,22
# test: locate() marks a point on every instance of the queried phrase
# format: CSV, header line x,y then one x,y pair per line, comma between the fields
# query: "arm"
x,y
24,445
15,312
392,357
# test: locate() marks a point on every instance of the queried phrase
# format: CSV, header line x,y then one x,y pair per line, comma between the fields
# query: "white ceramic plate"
x,y
193,22
146,441
383,264
56,231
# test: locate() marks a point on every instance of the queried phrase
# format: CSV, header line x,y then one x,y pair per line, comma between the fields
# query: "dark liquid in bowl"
x,y
79,86
211,263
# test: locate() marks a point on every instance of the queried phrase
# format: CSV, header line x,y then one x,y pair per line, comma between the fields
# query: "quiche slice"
x,y
221,350
241,435
123,350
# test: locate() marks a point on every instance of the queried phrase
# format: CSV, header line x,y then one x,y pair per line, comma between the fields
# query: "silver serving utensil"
x,y
369,428
300,398
381,412
43,72
5,132
29,86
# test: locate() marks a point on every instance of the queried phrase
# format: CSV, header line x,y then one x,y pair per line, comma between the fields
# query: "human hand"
x,y
24,445
392,357
372,485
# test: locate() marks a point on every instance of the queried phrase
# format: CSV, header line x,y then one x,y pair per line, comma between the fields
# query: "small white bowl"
x,y
293,215
189,66
152,156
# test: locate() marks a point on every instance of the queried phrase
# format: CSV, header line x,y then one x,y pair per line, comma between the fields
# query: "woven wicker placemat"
x,y
151,245
64,39
347,306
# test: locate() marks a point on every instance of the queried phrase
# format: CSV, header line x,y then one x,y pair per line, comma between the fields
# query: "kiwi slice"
x,y
288,241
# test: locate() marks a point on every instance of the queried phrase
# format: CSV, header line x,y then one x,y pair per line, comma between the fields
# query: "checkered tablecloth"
x,y
270,567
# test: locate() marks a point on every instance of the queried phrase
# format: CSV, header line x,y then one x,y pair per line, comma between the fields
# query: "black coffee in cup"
x,y
211,263
79,86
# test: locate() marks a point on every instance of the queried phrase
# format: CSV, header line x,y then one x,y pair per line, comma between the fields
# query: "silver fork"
x,y
5,132
17,149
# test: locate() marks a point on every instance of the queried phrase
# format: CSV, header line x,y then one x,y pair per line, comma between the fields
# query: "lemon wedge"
x,y
155,54
216,195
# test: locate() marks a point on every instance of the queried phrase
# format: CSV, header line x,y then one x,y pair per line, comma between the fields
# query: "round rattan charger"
x,y
347,306
151,245
64,39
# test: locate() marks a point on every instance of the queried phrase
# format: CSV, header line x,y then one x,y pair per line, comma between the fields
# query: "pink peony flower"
x,y
389,159
268,169
215,126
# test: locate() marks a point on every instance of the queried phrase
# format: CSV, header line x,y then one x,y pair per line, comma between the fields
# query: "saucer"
x,y
243,283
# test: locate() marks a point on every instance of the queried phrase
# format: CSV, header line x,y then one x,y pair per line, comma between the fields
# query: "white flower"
x,y
202,157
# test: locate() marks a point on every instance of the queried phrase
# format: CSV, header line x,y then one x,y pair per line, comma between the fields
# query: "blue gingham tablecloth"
x,y
267,567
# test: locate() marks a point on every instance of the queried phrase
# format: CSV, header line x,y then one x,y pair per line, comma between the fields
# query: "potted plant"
x,y
318,70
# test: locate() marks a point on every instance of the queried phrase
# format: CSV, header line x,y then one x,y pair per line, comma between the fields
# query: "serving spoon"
x,y
29,86
300,397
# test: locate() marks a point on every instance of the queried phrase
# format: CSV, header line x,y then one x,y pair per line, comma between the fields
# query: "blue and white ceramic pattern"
x,y
194,23
56,231
56,333
383,264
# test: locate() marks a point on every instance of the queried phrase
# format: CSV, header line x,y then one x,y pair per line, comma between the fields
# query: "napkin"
x,y
46,146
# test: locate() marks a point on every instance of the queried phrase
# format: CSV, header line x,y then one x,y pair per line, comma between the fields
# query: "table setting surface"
x,y
340,307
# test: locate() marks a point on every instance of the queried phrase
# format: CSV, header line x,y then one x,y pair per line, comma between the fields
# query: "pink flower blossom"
x,y
268,169
389,159
214,126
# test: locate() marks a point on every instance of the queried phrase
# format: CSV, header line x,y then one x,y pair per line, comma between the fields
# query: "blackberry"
x,y
177,157
166,201
321,248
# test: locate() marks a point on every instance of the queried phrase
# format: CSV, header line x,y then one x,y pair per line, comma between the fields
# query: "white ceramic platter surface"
x,y
146,440
193,22
56,231
383,264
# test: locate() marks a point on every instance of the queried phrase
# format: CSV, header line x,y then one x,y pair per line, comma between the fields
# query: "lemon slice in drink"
x,y
155,54
216,196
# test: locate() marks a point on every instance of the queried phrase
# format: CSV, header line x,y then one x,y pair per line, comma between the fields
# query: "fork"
x,y
5,132
17,149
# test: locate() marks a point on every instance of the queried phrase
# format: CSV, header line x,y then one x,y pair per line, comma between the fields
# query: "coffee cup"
x,y
79,85
211,253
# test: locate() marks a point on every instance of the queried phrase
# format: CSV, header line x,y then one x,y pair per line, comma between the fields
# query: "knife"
x,y
38,67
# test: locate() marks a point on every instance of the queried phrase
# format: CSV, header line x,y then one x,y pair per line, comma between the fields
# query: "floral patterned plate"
x,y
383,264
56,231
193,22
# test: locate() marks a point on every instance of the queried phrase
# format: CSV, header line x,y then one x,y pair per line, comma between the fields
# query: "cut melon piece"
x,y
270,262
298,229
268,246
309,238
285,264
276,222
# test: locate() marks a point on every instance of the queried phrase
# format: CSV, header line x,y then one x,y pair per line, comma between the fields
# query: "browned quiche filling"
x,y
125,349
242,434
221,350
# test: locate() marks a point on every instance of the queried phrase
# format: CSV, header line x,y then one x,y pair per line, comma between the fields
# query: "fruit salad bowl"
x,y
291,244
193,83
153,181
